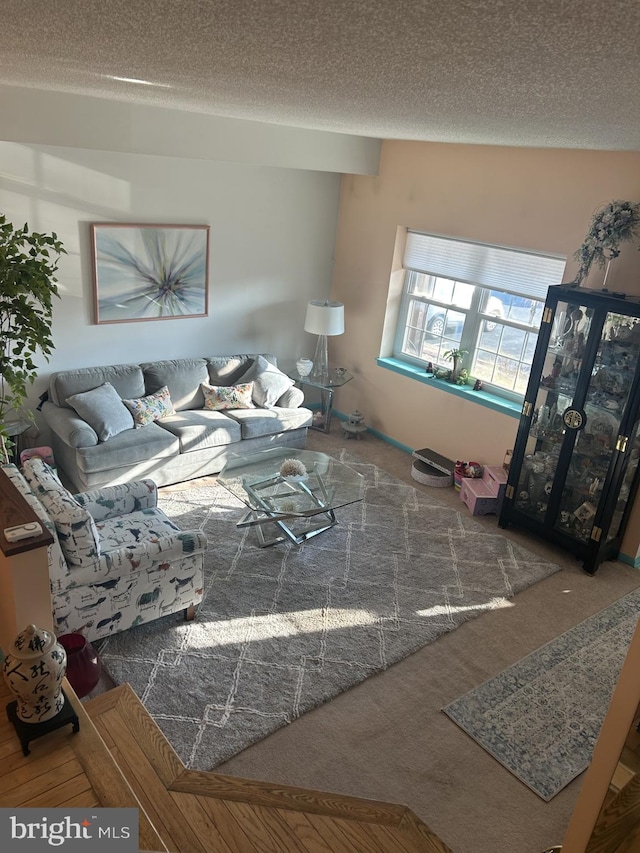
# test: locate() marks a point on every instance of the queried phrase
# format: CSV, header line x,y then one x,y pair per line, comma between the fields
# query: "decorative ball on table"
x,y
293,468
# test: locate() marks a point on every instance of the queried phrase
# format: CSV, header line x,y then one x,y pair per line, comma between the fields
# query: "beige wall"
x,y
540,199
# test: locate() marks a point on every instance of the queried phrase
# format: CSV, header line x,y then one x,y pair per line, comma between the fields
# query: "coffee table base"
x,y
259,518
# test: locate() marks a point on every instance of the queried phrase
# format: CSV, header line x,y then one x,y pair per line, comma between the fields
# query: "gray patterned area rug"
x,y
541,717
284,629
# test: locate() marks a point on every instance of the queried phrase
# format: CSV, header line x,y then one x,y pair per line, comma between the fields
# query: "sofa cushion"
x,y
182,376
127,379
146,410
258,422
219,397
128,448
269,383
103,410
129,531
227,369
202,429
76,529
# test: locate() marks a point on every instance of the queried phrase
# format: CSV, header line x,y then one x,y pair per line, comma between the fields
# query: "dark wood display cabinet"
x,y
574,471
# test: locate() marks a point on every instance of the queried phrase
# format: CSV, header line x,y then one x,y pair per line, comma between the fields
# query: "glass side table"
x,y
336,378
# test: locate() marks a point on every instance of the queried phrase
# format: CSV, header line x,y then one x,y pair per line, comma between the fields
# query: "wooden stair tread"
x,y
66,769
198,811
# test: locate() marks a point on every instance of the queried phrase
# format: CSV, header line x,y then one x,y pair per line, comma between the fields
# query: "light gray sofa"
x,y
193,442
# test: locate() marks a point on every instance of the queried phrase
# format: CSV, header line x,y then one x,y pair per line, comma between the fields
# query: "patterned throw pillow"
x,y
218,397
151,408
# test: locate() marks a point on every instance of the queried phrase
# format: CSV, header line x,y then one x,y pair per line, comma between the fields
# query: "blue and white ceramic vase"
x,y
33,669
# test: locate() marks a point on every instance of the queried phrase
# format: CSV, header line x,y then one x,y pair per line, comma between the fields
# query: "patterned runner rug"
x,y
541,717
284,629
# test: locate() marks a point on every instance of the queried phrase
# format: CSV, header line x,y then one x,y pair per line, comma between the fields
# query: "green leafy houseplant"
x,y
28,264
455,355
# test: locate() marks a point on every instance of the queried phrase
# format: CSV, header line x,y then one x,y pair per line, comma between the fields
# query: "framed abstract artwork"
x,y
149,272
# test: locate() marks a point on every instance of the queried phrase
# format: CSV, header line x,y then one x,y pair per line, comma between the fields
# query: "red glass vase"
x,y
83,664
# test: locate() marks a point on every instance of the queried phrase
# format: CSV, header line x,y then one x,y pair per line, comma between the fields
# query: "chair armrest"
x,y
69,426
159,553
165,550
122,499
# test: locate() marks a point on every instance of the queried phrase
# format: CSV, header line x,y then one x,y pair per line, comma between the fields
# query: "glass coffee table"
x,y
298,506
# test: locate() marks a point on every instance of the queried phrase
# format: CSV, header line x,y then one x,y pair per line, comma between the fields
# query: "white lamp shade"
x,y
324,317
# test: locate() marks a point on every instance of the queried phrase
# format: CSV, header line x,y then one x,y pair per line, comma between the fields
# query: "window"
x,y
486,300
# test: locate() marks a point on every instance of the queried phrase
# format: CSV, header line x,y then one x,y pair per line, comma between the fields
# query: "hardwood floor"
x,y
65,770
121,758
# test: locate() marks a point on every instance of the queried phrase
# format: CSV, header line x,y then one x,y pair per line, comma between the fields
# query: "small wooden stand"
x,y
30,731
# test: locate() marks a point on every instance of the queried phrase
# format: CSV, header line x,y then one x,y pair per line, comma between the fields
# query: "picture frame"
x,y
149,271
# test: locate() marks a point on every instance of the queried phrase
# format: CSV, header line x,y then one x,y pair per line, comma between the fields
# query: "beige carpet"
x,y
388,739
541,717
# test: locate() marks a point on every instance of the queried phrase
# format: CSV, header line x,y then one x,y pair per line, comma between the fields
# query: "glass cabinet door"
x,y
556,391
633,457
574,475
596,441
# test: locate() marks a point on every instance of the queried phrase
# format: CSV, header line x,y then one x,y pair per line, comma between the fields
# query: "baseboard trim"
x,y
624,558
342,417
630,561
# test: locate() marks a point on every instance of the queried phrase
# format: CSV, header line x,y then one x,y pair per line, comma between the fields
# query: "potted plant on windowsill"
x,y
28,263
455,356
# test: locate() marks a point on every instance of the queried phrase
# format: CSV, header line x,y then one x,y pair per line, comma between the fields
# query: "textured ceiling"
x,y
562,73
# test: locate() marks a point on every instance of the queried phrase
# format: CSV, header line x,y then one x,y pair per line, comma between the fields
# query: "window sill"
x,y
466,392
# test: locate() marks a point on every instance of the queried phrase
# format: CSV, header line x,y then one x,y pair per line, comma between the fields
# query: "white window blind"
x,y
513,270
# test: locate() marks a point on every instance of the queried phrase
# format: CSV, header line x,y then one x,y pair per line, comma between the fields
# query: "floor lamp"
x,y
323,318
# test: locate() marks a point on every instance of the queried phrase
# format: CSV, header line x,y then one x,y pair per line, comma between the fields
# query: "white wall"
x,y
270,194
272,246
61,118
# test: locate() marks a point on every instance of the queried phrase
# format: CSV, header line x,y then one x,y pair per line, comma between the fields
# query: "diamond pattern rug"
x,y
541,717
284,629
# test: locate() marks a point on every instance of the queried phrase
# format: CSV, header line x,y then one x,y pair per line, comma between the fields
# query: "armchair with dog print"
x,y
117,560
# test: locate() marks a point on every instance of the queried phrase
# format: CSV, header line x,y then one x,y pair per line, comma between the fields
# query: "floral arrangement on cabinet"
x,y
617,222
